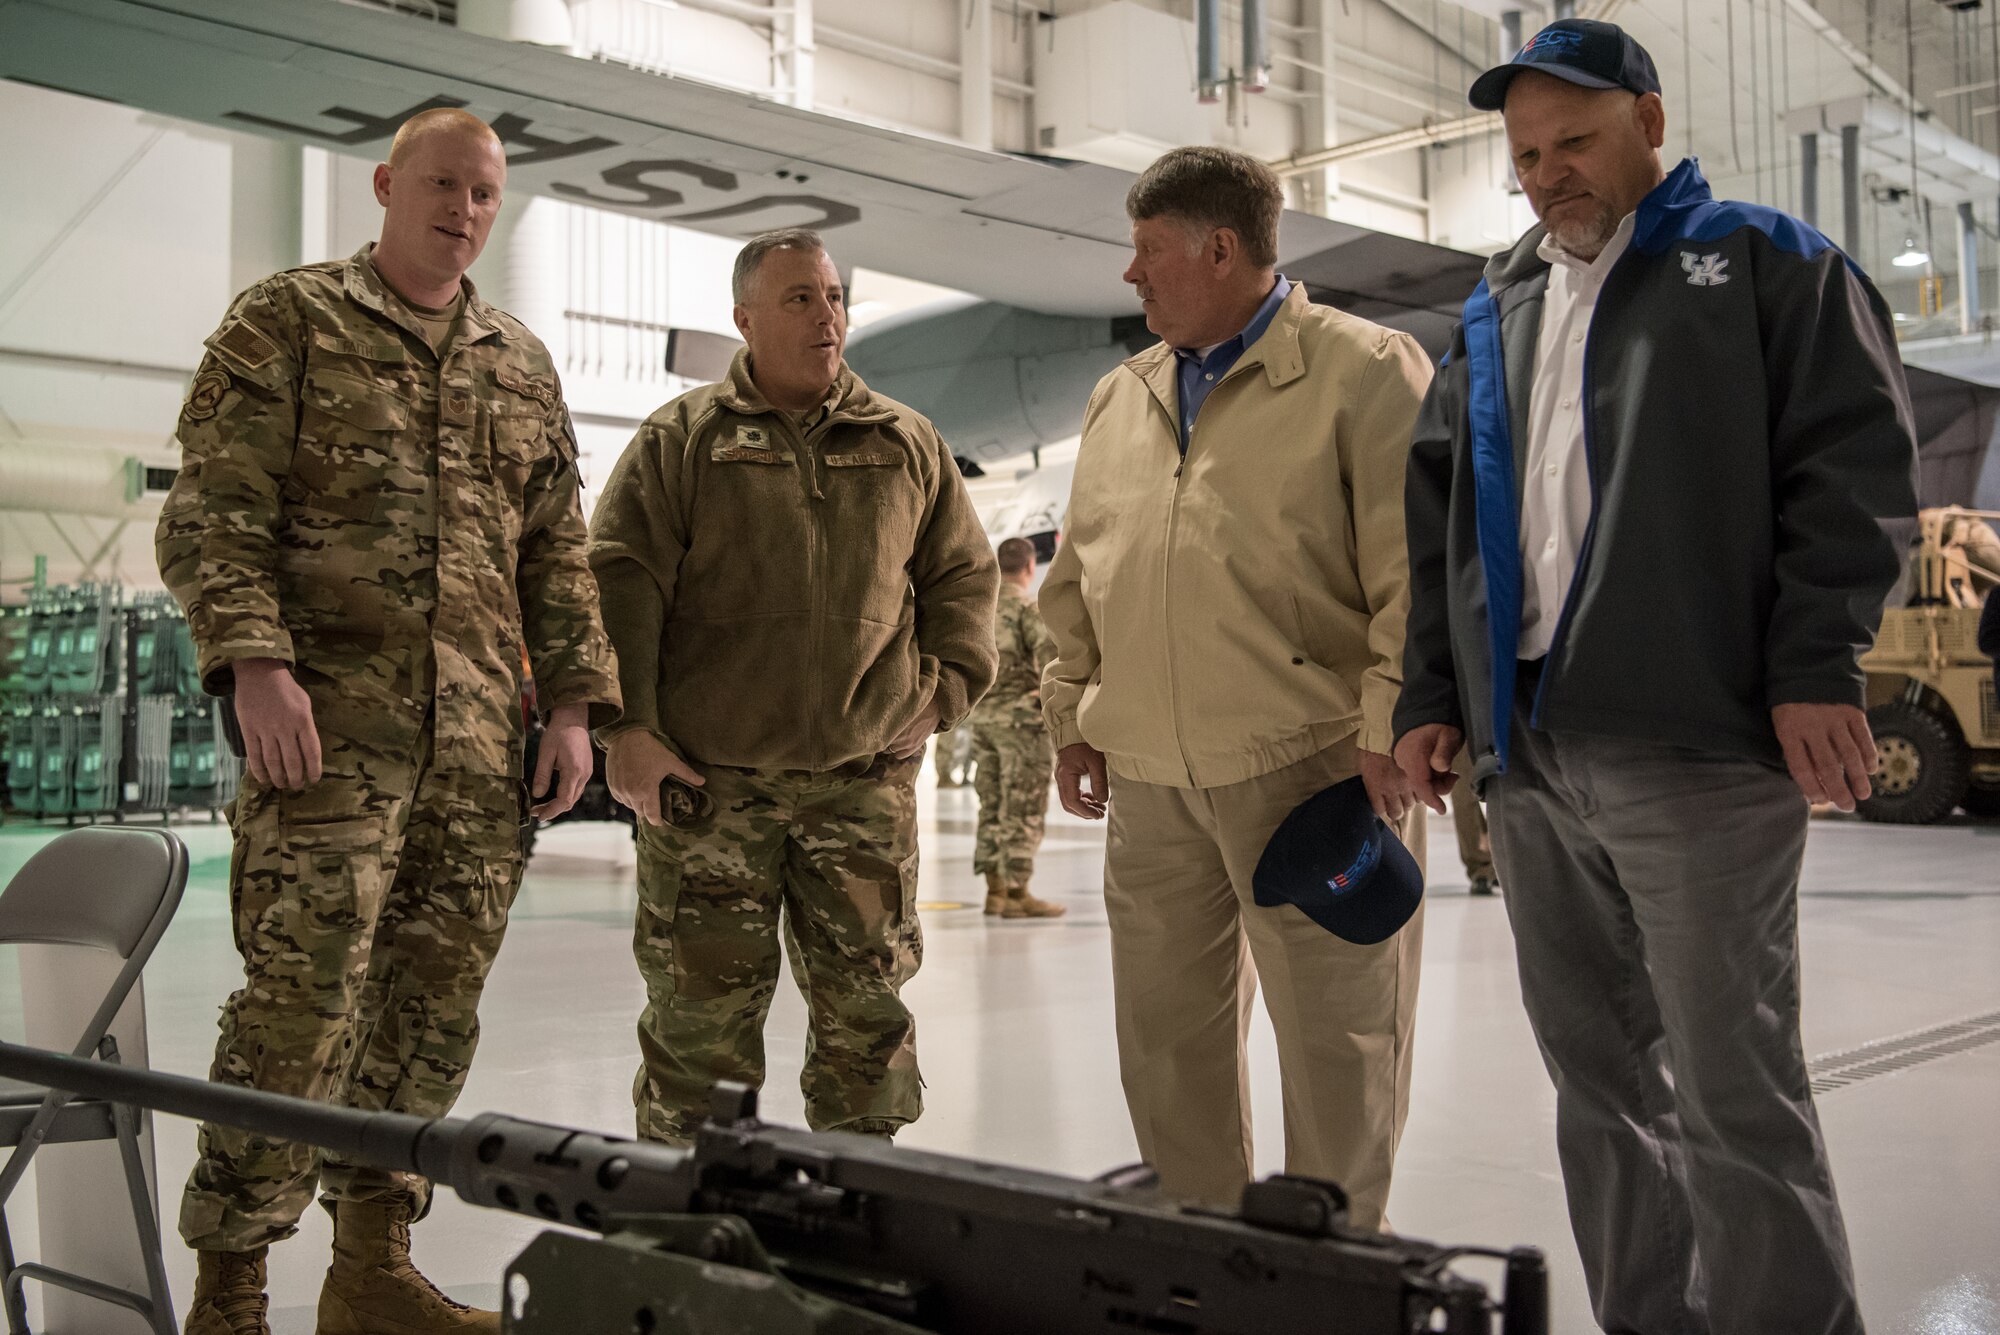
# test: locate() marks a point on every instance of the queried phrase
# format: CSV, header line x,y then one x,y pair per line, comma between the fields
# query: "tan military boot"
x,y
996,894
1021,904
373,1289
228,1294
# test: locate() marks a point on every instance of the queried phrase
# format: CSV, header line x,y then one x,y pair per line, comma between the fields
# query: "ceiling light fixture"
x,y
1913,254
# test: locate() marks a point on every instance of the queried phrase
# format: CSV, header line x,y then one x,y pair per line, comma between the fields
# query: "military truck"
x,y
1931,698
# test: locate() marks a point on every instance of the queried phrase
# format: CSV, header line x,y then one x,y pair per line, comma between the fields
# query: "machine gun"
x,y
761,1230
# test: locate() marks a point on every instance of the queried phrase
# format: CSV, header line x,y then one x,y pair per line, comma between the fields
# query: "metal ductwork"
x,y
1208,49
1949,168
1256,47
48,477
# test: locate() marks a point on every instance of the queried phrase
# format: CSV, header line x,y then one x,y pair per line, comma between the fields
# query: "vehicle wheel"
x,y
1925,765
1981,799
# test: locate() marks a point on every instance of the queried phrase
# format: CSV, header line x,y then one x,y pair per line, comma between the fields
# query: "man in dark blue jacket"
x,y
1645,512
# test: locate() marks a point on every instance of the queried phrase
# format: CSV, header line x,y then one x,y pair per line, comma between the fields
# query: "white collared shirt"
x,y
1555,493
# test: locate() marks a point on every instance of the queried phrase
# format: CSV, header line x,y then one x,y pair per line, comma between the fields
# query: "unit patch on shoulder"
x,y
205,396
243,345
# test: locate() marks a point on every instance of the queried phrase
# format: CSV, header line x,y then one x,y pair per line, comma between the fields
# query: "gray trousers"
x,y
1654,897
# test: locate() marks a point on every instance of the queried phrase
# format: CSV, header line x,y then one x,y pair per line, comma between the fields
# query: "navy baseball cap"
x,y
1586,52
1347,871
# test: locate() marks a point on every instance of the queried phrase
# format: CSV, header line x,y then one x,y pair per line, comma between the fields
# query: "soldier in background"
x,y
952,754
1010,744
376,511
801,596
1475,844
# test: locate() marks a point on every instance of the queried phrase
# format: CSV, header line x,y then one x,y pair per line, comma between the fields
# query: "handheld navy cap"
x,y
1341,866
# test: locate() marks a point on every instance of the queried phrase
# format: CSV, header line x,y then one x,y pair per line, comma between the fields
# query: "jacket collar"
x,y
1666,213
1277,351
1661,215
853,401
366,289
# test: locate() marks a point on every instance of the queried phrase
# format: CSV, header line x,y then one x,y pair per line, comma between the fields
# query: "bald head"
x,y
439,120
440,192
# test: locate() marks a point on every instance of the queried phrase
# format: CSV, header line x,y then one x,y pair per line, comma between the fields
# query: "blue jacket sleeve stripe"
x,y
1493,491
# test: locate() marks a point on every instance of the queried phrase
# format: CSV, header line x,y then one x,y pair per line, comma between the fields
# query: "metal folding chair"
x,y
114,890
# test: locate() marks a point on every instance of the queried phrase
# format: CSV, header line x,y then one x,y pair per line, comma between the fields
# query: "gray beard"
x,y
1587,239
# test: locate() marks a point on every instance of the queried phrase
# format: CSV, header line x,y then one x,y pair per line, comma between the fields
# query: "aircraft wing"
x,y
1038,233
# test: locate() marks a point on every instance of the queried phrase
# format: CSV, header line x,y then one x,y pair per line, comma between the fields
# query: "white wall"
x,y
113,267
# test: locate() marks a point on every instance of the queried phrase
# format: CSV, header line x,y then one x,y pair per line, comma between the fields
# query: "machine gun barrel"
x,y
393,1141
558,1174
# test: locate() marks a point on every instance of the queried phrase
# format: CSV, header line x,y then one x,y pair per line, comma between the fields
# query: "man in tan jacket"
x,y
1228,610
801,596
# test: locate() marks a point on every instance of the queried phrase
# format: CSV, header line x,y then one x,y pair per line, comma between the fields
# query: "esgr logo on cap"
x,y
1371,853
1552,39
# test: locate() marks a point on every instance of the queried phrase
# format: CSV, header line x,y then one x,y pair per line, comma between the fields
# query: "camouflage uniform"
x,y
1011,745
838,851
397,529
785,596
952,750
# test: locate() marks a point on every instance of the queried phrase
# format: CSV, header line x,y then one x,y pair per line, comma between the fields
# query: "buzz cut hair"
x,y
751,258
435,121
1016,555
1205,188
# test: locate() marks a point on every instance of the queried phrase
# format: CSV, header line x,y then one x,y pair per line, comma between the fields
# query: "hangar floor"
x,y
1901,934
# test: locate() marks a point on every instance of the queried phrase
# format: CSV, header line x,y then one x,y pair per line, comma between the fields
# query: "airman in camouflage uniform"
x,y
800,596
952,756
386,511
1011,746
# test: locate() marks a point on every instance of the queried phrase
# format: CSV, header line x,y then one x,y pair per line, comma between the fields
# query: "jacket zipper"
x,y
1173,523
1167,577
815,595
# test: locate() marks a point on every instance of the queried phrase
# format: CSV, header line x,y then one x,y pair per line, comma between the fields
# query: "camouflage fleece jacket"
x,y
790,597
396,528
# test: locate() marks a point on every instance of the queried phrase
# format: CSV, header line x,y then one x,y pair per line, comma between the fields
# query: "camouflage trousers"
x,y
1012,781
952,751
368,909
833,857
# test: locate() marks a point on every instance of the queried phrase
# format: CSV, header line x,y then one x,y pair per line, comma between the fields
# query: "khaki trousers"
x,y
1188,948
1475,848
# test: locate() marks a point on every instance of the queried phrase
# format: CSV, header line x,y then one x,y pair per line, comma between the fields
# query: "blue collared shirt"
x,y
1199,374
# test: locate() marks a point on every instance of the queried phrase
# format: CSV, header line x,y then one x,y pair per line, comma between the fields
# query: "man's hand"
x,y
1075,763
280,743
1389,792
635,767
1829,750
911,739
563,762
1425,755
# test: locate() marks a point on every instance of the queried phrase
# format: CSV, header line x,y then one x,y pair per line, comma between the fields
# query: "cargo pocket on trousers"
x,y
909,932
331,894
653,925
490,892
